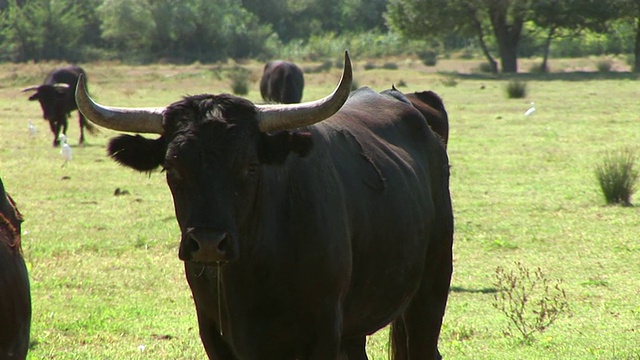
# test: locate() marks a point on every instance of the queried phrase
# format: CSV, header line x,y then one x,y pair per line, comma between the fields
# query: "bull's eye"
x,y
252,169
171,172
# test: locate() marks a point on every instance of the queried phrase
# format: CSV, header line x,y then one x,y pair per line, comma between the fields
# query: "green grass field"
x,y
107,282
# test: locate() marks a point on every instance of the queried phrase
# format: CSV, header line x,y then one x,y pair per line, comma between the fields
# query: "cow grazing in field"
x,y
15,296
56,97
282,82
305,227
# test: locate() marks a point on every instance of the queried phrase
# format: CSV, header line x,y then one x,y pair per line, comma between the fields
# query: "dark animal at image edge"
x,y
15,296
57,100
282,82
305,227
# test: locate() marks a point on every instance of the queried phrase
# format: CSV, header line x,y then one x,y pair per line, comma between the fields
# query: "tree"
x,y
570,17
503,18
42,30
630,11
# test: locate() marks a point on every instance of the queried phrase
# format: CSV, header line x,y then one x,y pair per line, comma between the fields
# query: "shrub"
x,y
604,65
485,68
618,176
530,300
538,69
516,89
239,80
449,82
369,66
390,66
428,57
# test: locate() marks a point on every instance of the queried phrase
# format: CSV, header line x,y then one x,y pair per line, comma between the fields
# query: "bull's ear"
x,y
276,147
33,97
137,152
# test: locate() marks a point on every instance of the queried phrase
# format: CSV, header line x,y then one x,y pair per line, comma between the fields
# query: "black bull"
x,y
15,296
57,100
282,82
301,256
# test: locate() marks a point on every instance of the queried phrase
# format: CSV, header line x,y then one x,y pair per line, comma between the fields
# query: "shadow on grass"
x,y
461,289
560,76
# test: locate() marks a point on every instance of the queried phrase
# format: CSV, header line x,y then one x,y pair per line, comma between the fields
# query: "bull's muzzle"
x,y
205,245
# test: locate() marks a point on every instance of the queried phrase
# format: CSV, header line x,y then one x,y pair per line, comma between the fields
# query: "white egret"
x,y
65,149
32,129
531,110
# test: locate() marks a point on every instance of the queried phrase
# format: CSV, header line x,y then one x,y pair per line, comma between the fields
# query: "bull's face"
x,y
49,96
213,154
214,150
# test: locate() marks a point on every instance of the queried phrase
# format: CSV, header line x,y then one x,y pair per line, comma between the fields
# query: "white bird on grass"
x,y
65,149
32,130
531,110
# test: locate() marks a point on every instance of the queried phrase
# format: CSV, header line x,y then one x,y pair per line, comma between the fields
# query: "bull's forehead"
x,y
212,139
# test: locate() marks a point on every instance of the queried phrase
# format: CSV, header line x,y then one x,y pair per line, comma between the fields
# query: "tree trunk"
x,y
636,51
507,35
508,54
544,67
483,45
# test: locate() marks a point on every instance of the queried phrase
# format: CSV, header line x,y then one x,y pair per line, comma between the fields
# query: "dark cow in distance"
x,y
15,296
57,100
282,82
432,108
305,227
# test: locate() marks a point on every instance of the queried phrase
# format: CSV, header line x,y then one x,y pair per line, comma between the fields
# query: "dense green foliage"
x,y
186,31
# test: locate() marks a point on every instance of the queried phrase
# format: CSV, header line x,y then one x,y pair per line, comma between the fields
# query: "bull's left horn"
x,y
291,116
138,120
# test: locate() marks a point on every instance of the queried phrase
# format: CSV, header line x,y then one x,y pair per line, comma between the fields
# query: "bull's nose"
x,y
206,245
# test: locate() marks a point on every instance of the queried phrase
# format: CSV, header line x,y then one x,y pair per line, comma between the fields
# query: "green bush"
x,y
618,176
604,65
390,66
428,57
239,77
485,68
516,89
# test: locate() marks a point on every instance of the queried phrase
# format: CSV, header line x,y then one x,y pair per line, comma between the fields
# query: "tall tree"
x,y
630,11
42,30
502,18
560,18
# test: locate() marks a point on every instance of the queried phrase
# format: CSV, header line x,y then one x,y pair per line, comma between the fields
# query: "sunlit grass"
x,y
105,274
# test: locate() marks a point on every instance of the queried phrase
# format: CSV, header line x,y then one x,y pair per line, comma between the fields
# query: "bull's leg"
x,y
423,317
65,125
354,349
329,332
81,122
55,129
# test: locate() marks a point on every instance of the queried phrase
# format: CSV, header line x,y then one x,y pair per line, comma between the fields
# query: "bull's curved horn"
x,y
61,86
139,120
31,88
290,116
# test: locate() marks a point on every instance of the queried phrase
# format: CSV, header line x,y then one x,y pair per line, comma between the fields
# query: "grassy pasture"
x,y
107,283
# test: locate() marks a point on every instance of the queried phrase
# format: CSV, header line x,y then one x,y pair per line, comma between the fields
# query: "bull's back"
x,y
386,157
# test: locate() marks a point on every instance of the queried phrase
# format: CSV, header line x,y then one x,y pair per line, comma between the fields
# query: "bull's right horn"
x,y
31,88
137,120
